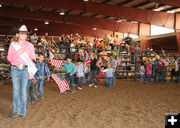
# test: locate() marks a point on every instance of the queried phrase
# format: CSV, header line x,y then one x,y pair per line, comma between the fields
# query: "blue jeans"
x,y
159,77
19,81
84,78
142,78
148,78
155,75
80,82
41,86
173,74
164,77
90,76
114,78
71,79
109,81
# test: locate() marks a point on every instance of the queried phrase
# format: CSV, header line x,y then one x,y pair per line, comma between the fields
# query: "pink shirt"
x,y
14,56
148,69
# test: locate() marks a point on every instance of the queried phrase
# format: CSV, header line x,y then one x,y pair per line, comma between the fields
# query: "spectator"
x,y
106,40
111,41
34,38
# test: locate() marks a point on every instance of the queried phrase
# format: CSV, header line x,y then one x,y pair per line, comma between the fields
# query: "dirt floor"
x,y
126,105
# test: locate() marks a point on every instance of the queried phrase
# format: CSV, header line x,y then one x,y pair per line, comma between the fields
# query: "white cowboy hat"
x,y
23,28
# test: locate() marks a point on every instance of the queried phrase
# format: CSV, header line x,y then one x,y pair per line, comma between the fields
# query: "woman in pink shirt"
x,y
19,70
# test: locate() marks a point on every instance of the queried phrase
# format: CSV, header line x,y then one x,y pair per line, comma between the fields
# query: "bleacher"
x,y
124,56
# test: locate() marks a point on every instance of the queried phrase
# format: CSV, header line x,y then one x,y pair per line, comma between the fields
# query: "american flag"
x,y
61,82
87,57
56,63
51,56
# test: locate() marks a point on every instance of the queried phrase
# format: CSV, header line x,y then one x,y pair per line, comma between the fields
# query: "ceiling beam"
x,y
140,15
125,2
169,9
107,24
141,4
106,1
175,3
56,27
153,7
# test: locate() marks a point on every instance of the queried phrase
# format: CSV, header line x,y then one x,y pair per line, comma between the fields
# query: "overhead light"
x,y
134,21
35,29
61,13
46,22
94,28
0,5
156,9
85,0
171,11
119,20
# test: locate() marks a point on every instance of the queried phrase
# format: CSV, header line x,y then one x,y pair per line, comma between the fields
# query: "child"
x,y
114,65
80,73
31,89
109,74
93,70
160,71
43,69
164,70
148,70
70,70
142,74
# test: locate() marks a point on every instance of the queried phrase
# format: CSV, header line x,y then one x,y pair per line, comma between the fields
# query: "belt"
x,y
20,66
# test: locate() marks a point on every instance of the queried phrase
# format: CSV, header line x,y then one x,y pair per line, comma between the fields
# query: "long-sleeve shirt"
x,y
80,70
43,69
14,56
148,69
142,71
114,63
108,71
69,68
155,65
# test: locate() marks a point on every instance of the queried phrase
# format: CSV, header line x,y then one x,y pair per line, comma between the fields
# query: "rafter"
x,y
141,4
144,16
55,27
125,2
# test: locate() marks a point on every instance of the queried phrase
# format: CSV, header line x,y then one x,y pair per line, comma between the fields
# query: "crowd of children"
x,y
157,70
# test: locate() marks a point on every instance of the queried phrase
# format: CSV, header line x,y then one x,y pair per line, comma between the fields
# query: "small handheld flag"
x,y
51,56
87,57
56,63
